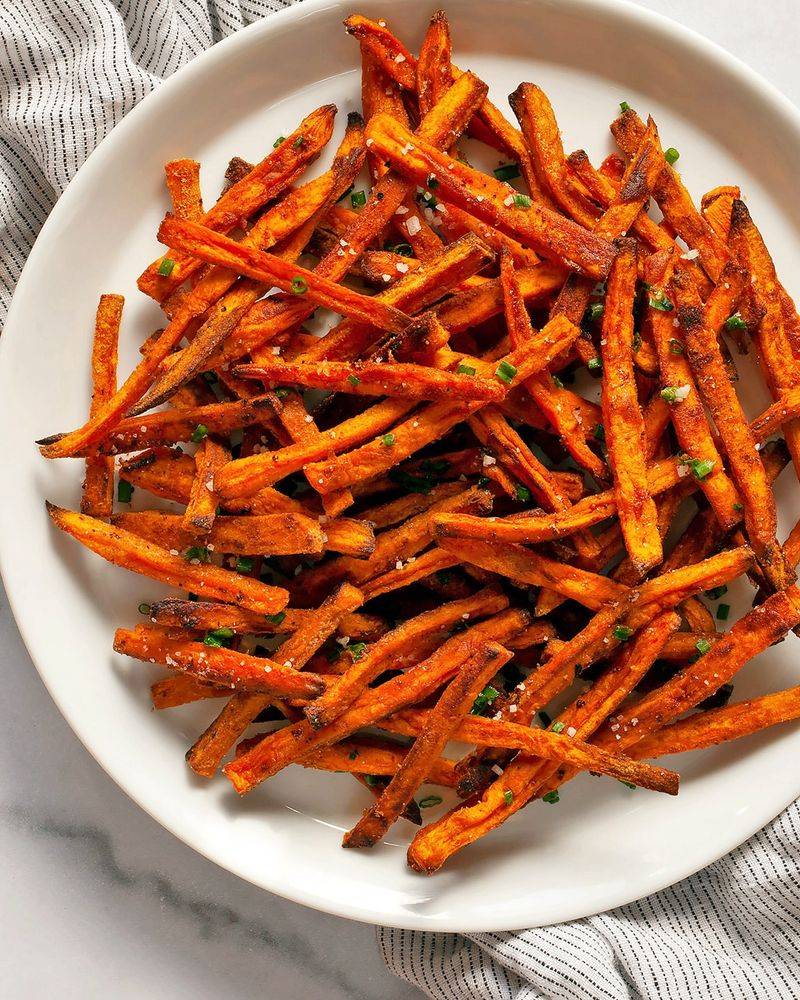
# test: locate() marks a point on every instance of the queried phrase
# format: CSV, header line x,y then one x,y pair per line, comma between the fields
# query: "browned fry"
x,y
434,75
171,426
262,534
687,412
785,410
675,201
543,230
720,397
97,498
719,725
201,616
459,221
246,476
222,667
403,507
437,419
683,645
416,290
778,362
341,694
182,689
198,518
205,243
416,570
127,550
183,184
622,417
267,180
287,745
753,633
386,48
440,724
540,130
534,528
441,126
207,753
367,378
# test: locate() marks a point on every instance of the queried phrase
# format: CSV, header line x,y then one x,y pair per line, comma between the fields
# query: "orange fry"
x,y
97,498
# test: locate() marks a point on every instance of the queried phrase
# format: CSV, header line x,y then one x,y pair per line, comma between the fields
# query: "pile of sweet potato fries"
x,y
414,529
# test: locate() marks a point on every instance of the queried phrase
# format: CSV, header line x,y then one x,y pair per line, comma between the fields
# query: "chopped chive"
x,y
599,432
559,727
430,800
199,433
506,372
124,491
353,379
211,640
594,312
660,301
723,610
671,155
735,322
404,249
702,646
738,506
506,172
523,494
627,784
353,754
426,199
357,649
522,201
675,346
166,266
244,564
716,592
668,394
675,393
595,365
388,440
144,609
199,552
218,637
622,632
624,106
282,392
551,798
278,141
432,182
299,142
372,780
557,382
276,619
701,467
484,699
358,199
299,285
508,796
465,370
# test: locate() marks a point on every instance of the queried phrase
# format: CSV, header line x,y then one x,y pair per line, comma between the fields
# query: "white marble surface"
x,y
99,901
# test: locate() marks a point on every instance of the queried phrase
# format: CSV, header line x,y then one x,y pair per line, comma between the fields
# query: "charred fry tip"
x,y
740,214
579,156
355,120
50,439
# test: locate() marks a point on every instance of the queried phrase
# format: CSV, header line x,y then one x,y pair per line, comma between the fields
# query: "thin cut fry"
x,y
97,498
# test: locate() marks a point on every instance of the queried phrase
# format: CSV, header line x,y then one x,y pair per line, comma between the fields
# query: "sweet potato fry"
x,y
417,569
719,725
720,397
222,667
435,420
183,184
205,756
686,409
366,378
284,747
675,201
546,232
140,556
267,180
386,48
434,75
440,723
199,241
97,499
753,633
207,616
182,689
622,417
341,694
540,130
210,457
778,362
263,534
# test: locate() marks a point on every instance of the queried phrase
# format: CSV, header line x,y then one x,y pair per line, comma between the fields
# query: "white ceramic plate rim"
x,y
626,12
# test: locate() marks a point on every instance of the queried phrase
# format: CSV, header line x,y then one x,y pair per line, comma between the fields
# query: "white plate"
x,y
603,845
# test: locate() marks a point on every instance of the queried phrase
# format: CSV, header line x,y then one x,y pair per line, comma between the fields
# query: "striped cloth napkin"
x,y
70,70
